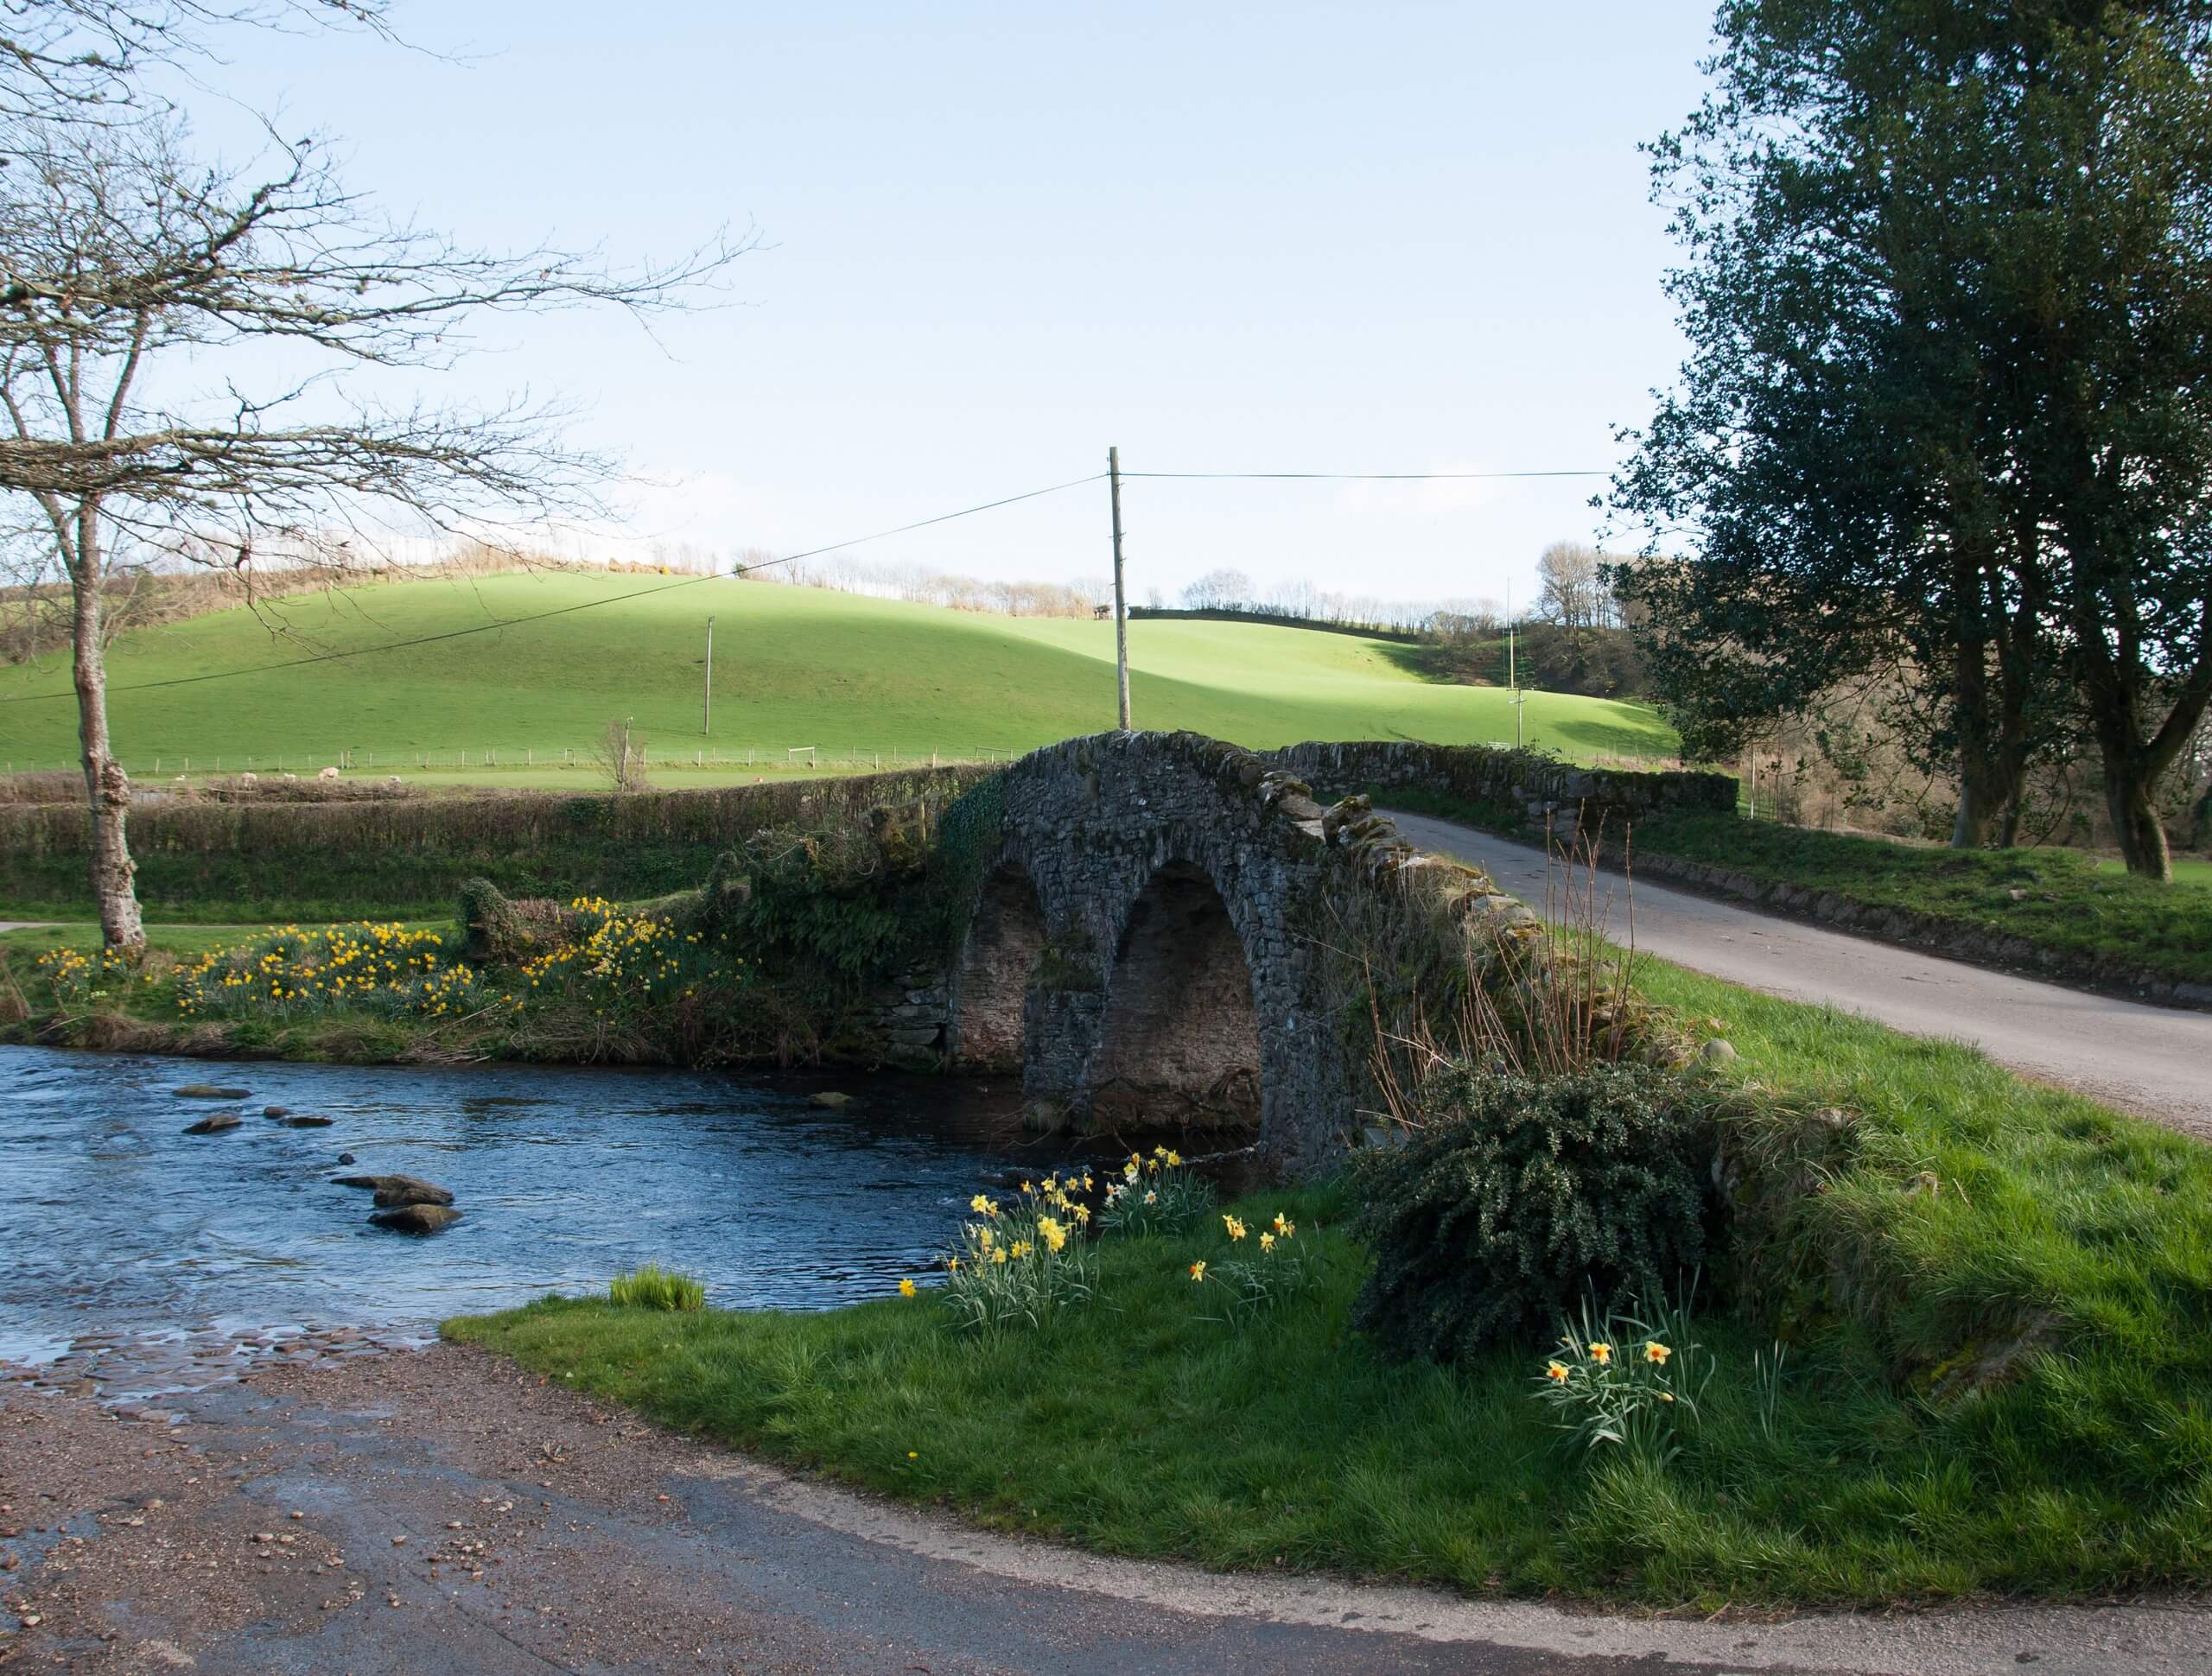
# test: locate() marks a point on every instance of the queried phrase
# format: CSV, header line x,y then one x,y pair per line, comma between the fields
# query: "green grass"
x,y
84,936
793,667
1137,1428
2188,869
2106,919
652,1287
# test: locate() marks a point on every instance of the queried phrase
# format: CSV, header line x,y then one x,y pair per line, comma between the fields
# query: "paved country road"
x,y
439,1512
2154,1061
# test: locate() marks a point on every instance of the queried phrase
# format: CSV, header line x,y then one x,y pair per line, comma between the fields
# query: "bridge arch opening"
x,y
998,962
1180,1043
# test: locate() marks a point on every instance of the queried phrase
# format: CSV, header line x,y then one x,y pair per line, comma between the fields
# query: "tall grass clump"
x,y
649,1287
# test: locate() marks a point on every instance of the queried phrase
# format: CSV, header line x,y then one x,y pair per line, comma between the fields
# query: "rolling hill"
x,y
793,667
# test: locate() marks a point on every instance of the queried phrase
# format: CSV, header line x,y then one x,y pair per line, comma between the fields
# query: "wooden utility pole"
x,y
1121,603
707,702
1512,669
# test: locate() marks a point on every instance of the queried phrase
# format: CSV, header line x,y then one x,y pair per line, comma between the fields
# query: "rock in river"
x,y
416,1218
213,1123
275,1111
210,1091
831,1099
394,1190
307,1121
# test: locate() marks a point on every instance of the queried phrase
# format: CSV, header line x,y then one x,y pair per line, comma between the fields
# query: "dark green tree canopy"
x,y
1946,285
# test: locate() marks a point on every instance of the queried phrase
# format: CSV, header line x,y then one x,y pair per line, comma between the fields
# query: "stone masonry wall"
x,y
1525,786
1152,995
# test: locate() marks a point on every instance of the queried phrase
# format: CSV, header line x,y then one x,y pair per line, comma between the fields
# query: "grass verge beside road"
x,y
1996,1383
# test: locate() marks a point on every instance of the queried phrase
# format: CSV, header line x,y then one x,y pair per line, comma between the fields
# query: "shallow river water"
x,y
116,1223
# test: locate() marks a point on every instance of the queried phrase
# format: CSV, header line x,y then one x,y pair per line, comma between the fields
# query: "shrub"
x,y
649,1287
1516,1197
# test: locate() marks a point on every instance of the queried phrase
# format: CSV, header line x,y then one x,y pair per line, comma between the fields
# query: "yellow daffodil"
x,y
1197,1271
907,1288
1557,1371
998,1256
1236,1227
1601,1354
1174,1159
1656,1353
1051,1232
1266,1242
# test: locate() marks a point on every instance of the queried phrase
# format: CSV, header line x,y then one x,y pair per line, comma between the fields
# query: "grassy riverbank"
x,y
1995,1384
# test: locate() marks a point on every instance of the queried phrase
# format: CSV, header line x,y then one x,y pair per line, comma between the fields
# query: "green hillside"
x,y
792,667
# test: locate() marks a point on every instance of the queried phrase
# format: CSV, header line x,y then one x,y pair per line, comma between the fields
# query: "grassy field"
x,y
1137,1426
792,667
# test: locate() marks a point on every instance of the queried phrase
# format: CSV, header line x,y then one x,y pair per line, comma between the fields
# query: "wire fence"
x,y
508,759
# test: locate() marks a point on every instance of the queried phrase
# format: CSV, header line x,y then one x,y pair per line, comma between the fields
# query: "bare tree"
x,y
128,274
1572,590
1220,590
79,60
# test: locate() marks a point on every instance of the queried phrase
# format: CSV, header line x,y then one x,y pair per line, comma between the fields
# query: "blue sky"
x,y
1373,238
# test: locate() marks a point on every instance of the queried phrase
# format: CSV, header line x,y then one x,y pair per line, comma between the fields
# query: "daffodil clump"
x,y
80,980
626,963
1630,1380
385,969
1021,1261
1259,1270
1159,1193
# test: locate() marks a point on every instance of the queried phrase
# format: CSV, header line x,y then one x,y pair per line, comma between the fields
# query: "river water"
x,y
115,1224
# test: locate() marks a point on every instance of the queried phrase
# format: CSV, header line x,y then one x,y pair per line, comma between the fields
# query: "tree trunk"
x,y
2135,818
105,784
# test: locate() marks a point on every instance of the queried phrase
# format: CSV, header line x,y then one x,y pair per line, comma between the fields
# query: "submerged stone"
x,y
416,1218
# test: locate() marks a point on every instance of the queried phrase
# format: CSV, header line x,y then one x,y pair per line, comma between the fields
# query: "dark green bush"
x,y
1519,1197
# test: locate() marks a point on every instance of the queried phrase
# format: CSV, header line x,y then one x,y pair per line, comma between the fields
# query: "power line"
x,y
562,611
1359,476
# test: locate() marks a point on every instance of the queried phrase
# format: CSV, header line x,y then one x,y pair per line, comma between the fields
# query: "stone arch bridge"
x,y
1147,941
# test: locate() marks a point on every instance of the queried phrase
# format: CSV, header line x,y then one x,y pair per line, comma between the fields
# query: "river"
x,y
115,1224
